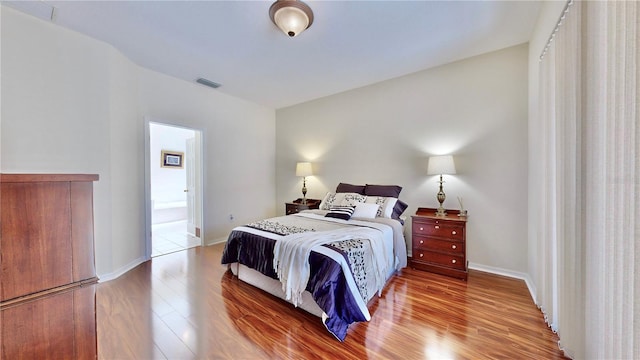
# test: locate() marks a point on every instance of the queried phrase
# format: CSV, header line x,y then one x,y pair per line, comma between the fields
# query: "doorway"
x,y
174,192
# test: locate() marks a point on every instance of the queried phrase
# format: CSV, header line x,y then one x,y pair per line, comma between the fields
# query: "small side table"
x,y
296,206
439,242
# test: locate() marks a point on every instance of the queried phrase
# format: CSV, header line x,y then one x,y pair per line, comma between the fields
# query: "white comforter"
x,y
291,255
339,306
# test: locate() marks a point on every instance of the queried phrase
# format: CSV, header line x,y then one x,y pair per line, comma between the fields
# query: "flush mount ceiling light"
x,y
291,16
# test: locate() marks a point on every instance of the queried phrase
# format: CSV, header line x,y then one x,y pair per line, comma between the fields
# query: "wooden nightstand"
x,y
296,206
439,242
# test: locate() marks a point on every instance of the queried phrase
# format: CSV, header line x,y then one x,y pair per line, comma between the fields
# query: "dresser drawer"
x,y
438,228
446,246
452,261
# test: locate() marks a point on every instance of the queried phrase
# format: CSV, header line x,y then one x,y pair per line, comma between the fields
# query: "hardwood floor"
x,y
186,305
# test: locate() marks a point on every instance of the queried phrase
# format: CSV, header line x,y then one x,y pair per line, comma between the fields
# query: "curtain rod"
x,y
555,30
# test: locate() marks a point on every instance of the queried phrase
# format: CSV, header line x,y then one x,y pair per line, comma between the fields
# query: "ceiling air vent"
x,y
208,83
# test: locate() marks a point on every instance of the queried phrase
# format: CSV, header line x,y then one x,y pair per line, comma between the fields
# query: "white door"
x,y
190,165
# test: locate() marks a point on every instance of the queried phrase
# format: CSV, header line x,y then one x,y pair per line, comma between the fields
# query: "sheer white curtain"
x,y
587,223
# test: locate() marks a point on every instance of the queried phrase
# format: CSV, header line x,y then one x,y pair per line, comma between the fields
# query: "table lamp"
x,y
304,169
440,165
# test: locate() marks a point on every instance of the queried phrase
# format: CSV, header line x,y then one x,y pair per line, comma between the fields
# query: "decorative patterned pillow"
x,y
385,205
327,201
341,199
352,199
341,212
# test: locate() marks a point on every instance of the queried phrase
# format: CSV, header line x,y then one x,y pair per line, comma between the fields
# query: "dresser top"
x,y
12,178
431,214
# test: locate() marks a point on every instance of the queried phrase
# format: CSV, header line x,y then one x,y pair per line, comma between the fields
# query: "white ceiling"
x,y
350,44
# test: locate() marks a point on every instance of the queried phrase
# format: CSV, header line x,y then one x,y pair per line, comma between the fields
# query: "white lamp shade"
x,y
303,169
439,165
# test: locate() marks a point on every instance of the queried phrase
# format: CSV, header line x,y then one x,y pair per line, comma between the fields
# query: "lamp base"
x,y
304,190
441,197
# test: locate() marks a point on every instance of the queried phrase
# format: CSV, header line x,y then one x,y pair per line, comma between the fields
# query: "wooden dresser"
x,y
47,292
439,242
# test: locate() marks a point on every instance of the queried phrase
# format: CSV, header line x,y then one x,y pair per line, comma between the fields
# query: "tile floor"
x,y
171,237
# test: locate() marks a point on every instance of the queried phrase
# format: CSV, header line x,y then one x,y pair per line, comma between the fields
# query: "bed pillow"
x,y
385,205
327,201
383,190
341,199
398,209
364,210
351,199
341,212
348,188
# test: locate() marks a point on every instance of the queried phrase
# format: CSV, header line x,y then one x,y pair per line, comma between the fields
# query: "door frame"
x,y
199,160
190,159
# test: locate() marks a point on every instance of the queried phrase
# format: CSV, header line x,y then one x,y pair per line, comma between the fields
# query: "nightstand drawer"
x,y
452,261
439,228
445,246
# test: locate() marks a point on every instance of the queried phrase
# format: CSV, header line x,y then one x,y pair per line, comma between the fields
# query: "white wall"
x,y
72,104
239,148
56,109
475,109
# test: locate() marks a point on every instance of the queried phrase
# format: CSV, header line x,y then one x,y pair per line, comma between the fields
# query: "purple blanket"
x,y
327,282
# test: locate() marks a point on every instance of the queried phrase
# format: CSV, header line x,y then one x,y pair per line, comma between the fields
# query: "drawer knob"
x,y
454,247
421,241
421,255
453,261
437,227
421,229
453,232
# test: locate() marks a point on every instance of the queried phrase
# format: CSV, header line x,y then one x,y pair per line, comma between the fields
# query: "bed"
x,y
330,262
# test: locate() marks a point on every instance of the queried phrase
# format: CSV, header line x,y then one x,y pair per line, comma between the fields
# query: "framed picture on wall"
x,y
172,159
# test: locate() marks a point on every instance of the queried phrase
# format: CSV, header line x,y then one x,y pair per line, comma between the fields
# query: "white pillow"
x,y
364,210
385,205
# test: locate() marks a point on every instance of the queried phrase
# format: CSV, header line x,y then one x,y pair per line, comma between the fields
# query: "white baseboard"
x,y
119,272
508,273
216,241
